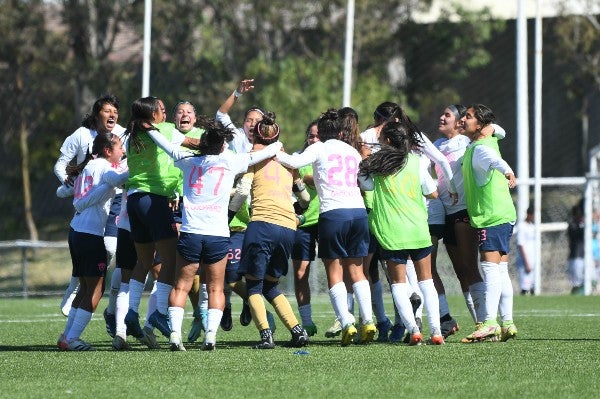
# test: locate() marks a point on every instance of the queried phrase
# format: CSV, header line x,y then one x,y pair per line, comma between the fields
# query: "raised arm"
x,y
173,151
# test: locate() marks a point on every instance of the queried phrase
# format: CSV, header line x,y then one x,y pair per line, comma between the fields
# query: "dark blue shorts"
x,y
438,230
495,238
150,217
126,255
373,243
88,254
233,257
451,220
402,255
200,248
110,230
343,233
305,243
266,250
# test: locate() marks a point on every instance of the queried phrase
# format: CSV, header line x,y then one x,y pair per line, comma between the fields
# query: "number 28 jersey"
x,y
335,167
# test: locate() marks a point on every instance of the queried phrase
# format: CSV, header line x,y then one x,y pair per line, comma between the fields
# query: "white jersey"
x,y
526,239
335,170
92,206
240,143
76,146
370,140
207,184
454,150
123,218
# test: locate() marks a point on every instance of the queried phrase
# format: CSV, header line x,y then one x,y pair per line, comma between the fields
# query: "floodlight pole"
x,y
537,200
348,53
522,112
146,55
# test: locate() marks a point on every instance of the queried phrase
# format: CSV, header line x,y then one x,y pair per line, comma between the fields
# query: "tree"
x,y
577,49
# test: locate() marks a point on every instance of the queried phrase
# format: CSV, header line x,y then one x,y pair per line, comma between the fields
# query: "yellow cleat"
x,y
348,334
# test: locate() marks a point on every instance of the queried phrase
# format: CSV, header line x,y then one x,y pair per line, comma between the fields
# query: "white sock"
x,y
151,306
121,308
377,299
339,301
493,288
350,300
162,296
80,322
400,293
175,314
470,305
477,291
432,303
506,298
136,288
115,283
214,319
73,284
203,298
443,303
411,276
70,318
305,314
110,243
363,297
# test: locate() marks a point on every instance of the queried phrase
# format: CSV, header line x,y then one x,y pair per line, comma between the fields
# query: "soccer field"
x,y
556,355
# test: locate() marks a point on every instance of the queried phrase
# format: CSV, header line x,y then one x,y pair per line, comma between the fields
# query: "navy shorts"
x,y
343,233
451,220
233,257
200,248
150,217
373,243
495,238
305,243
110,230
88,254
438,230
126,255
401,255
266,250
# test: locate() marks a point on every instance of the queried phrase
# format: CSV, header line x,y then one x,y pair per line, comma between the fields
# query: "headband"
x,y
454,110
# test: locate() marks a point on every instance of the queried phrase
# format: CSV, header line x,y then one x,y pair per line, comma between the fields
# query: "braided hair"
x,y
392,157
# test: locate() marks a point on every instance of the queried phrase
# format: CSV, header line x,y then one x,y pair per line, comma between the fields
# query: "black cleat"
x,y
266,340
226,321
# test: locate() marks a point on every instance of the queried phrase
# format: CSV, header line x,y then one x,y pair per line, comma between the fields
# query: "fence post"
x,y
24,271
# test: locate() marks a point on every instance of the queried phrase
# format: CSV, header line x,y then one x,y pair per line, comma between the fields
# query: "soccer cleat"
x,y
149,339
299,337
266,340
160,322
111,323
271,320
175,342
384,328
416,338
226,321
469,338
348,333
311,329
448,327
132,321
334,330
397,333
210,341
419,324
436,340
415,301
367,332
508,332
61,343
490,330
120,344
78,345
246,315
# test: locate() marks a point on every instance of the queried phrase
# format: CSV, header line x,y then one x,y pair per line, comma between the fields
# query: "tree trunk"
x,y
33,233
585,133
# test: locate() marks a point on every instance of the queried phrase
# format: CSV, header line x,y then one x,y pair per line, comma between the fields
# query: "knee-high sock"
x,y
162,297
284,311
338,296
175,314
430,298
377,301
122,305
470,305
478,291
506,298
401,293
493,289
151,305
363,297
411,276
80,322
259,311
115,284
213,319
443,303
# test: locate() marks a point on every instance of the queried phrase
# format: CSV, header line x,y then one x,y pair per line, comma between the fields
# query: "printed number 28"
x,y
346,166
